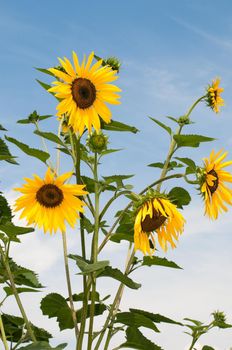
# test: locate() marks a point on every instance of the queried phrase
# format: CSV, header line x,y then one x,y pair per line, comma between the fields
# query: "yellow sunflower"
x,y
161,216
213,188
84,92
214,99
49,202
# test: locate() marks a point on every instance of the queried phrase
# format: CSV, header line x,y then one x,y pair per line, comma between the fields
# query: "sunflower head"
x,y
84,91
156,215
213,96
49,202
212,179
97,142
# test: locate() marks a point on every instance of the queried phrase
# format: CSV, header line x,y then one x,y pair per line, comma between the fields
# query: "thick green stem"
x,y
74,317
193,343
94,252
3,335
17,298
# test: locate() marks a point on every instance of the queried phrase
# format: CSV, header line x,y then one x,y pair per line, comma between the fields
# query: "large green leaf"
x,y
118,126
55,305
136,340
189,162
162,125
41,155
21,275
13,326
90,183
50,136
5,153
86,267
119,276
80,296
157,318
12,230
156,260
122,236
98,310
43,346
5,211
179,196
135,320
191,140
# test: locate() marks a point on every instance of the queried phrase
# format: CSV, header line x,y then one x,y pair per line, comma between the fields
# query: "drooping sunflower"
x,y
160,216
214,100
49,202
212,184
84,91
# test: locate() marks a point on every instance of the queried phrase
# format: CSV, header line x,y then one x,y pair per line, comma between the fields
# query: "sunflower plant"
x,y
81,198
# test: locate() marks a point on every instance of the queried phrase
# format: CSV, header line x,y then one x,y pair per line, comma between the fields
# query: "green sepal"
x,y
179,196
41,155
158,261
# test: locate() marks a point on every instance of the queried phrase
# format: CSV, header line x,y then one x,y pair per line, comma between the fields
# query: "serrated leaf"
x,y
41,155
119,276
43,346
162,125
179,196
157,318
80,296
135,320
191,140
90,183
156,260
136,340
5,211
98,310
55,305
9,291
118,126
87,224
117,179
10,229
50,136
122,236
189,162
5,153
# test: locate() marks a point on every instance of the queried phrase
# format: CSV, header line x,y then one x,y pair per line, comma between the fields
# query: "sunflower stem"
x,y
115,305
17,298
44,146
3,334
68,280
194,105
94,251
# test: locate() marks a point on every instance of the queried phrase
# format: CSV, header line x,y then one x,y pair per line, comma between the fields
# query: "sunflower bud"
x,y
219,318
114,63
97,142
184,120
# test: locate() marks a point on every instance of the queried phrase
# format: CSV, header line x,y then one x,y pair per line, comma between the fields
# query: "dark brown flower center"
x,y
150,224
50,196
83,92
214,187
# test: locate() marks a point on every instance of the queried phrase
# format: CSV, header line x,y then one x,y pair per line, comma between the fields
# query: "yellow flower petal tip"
x,y
213,97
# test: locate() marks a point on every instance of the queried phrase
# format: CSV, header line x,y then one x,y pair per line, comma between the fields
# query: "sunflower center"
x,y
83,92
150,224
50,196
214,187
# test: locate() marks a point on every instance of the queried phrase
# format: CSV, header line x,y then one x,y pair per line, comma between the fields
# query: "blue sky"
x,y
170,51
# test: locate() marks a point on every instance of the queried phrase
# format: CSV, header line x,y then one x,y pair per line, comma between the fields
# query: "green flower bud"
x,y
114,63
97,142
219,318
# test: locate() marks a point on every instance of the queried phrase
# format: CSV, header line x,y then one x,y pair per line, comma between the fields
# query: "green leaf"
x,y
43,346
179,196
80,296
9,291
10,229
119,276
122,236
162,125
157,165
189,162
90,184
172,165
13,326
50,136
21,275
98,310
41,155
44,85
109,151
87,224
136,340
5,153
135,320
44,70
117,179
33,117
5,211
55,305
118,126
2,128
173,119
207,347
191,140
156,260
157,318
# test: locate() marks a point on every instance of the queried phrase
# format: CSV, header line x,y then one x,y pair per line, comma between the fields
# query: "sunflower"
x,y
213,188
213,97
49,203
84,92
161,216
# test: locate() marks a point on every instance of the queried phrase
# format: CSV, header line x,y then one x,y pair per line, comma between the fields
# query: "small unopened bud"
x,y
183,120
33,117
219,318
97,142
114,63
